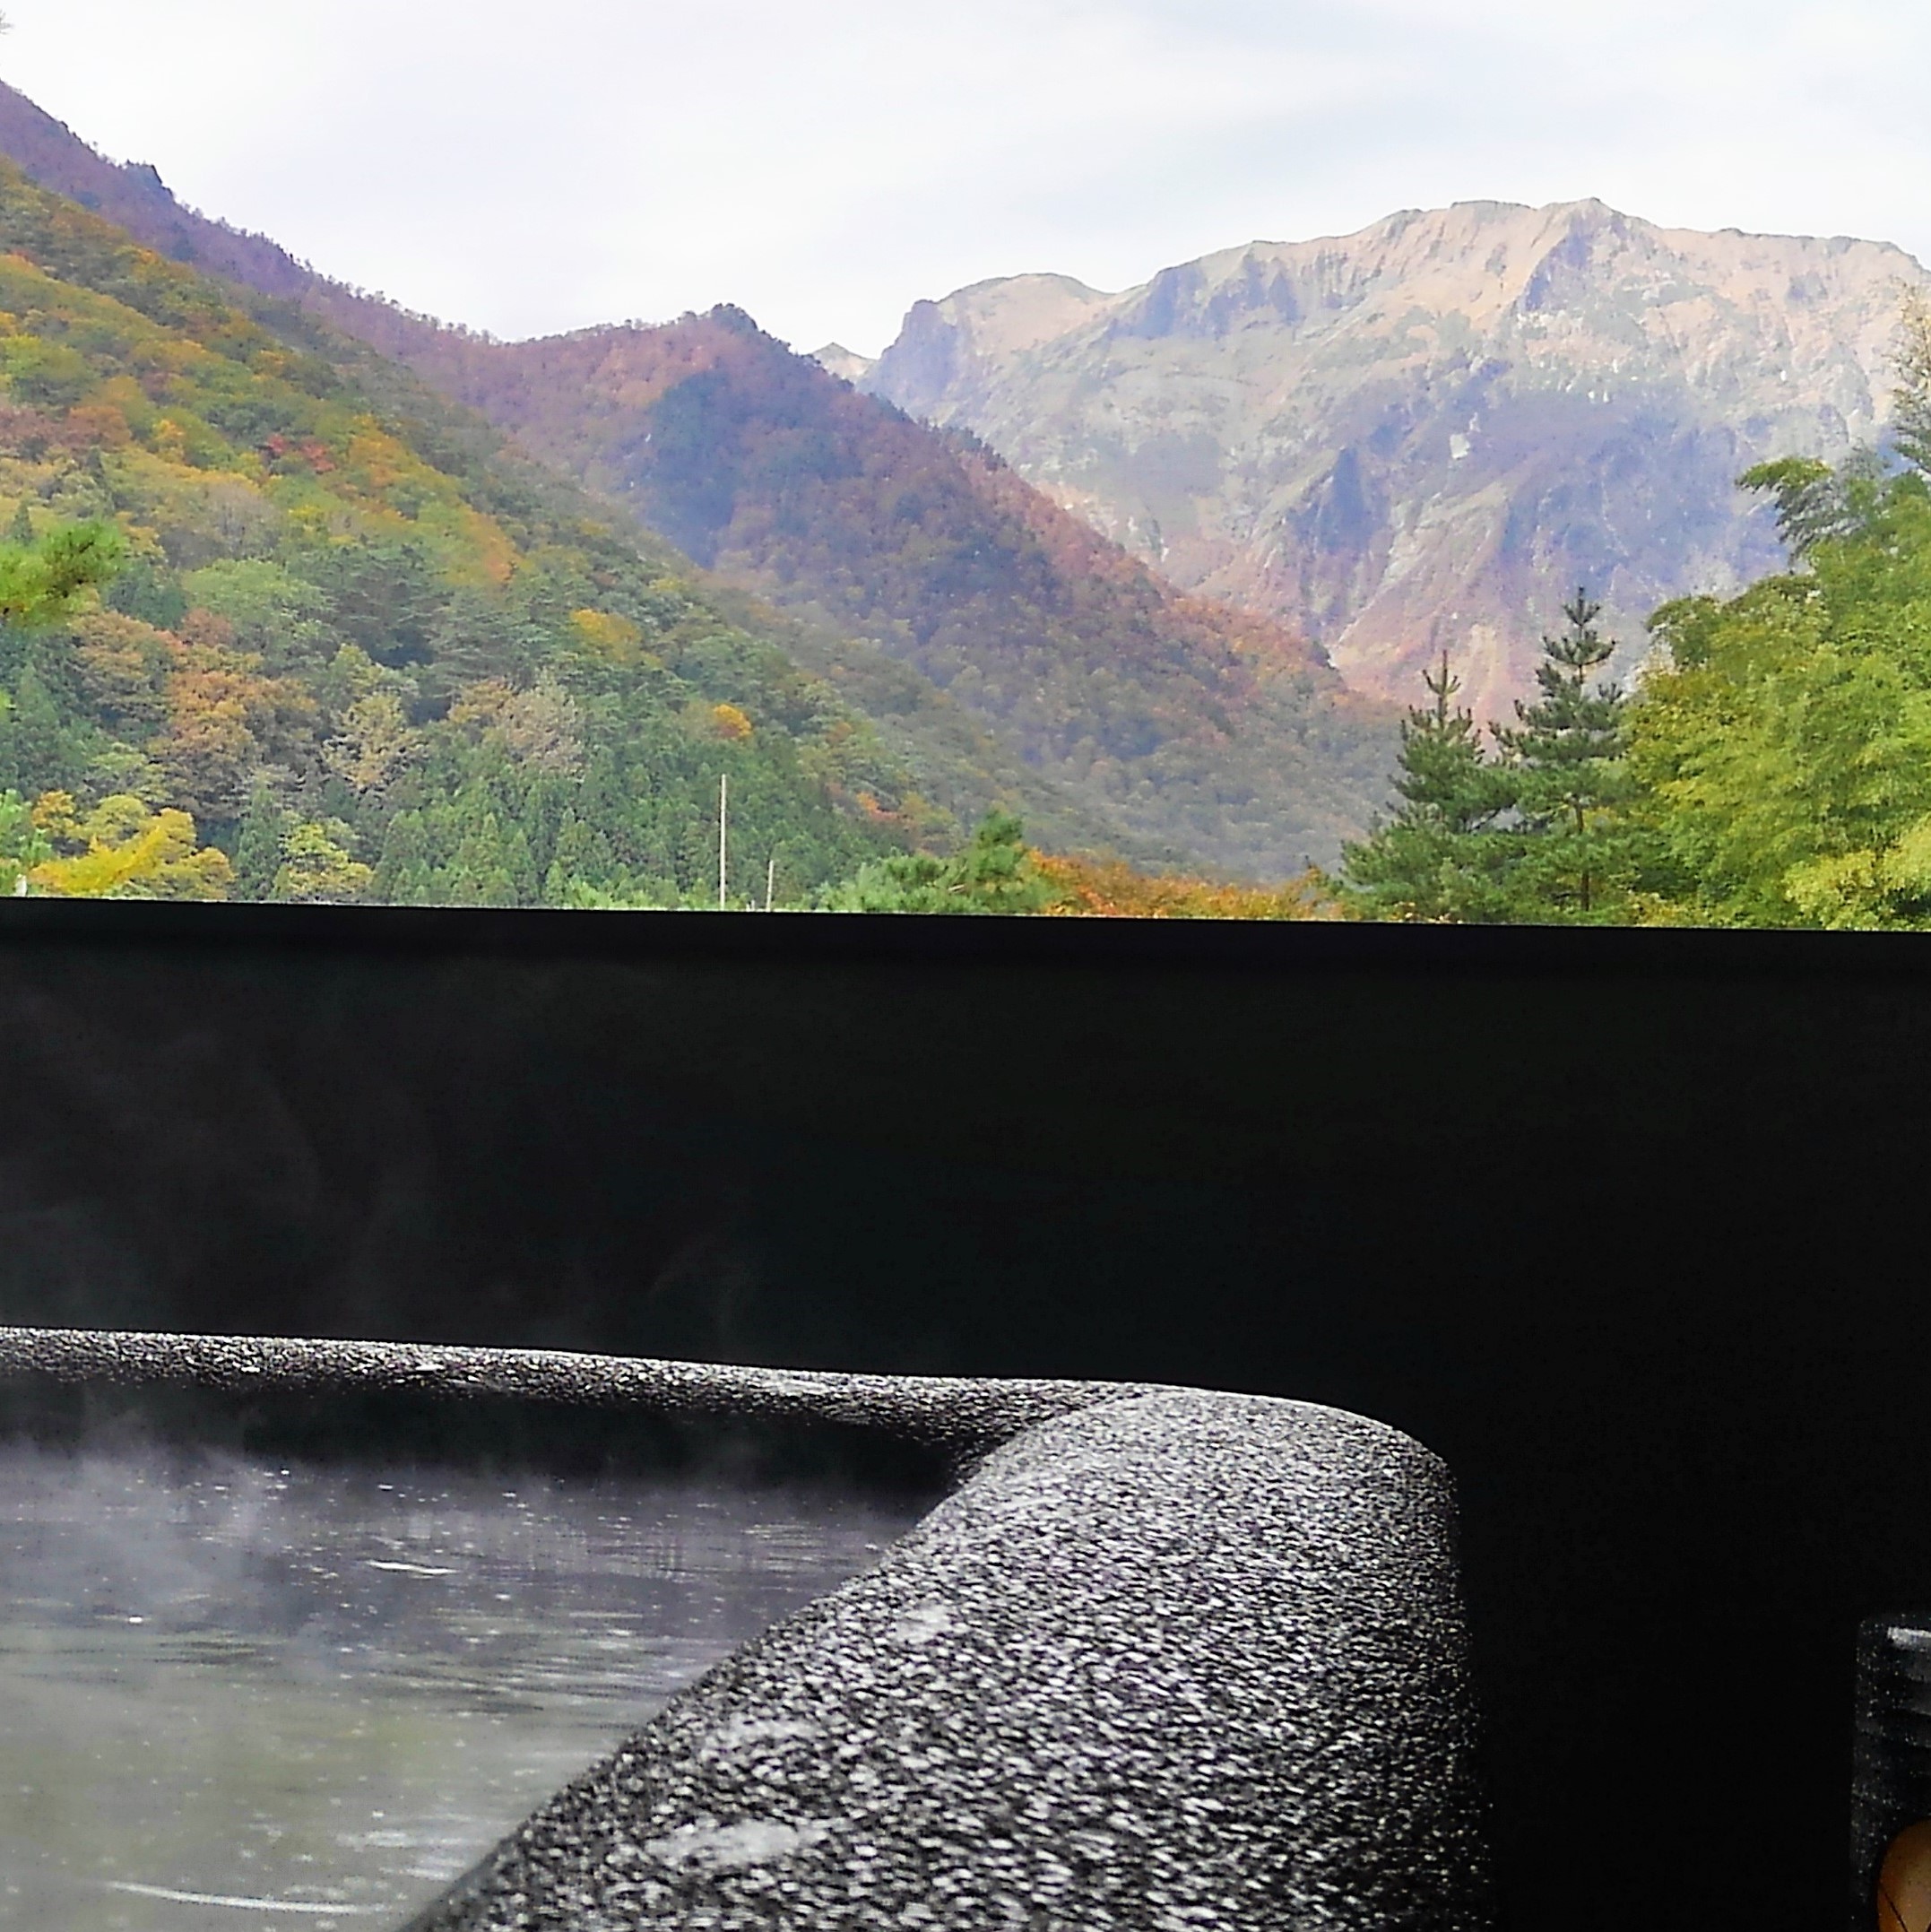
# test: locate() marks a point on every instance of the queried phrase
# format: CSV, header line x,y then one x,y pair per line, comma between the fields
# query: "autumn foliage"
x,y
1180,724
1092,889
124,849
274,622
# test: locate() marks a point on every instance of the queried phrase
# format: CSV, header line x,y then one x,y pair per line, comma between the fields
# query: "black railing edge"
x,y
801,939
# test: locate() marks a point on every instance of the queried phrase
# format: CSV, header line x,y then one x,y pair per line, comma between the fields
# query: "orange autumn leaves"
x,y
209,720
213,719
1108,889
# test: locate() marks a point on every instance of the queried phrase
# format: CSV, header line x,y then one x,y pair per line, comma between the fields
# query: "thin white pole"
x,y
771,882
724,840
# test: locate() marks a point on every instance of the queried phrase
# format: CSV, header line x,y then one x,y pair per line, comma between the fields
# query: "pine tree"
x,y
995,873
1910,400
405,874
1440,857
1575,859
258,846
20,534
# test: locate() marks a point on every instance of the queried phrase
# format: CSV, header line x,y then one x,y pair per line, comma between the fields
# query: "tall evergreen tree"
x,y
1910,400
1440,857
258,845
1575,859
405,875
41,748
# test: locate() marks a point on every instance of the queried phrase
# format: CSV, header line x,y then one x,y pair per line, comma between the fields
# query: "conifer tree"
x,y
995,873
1912,398
258,845
405,875
40,750
1575,858
40,581
1440,857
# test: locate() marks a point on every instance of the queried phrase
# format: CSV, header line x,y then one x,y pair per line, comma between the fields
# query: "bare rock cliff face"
x,y
1423,435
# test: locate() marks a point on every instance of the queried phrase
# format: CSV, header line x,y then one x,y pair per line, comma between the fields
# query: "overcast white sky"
x,y
532,168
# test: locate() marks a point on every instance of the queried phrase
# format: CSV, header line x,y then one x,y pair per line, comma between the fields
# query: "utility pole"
x,y
771,882
724,840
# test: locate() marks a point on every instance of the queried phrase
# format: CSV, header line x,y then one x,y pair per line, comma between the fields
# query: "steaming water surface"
x,y
235,1693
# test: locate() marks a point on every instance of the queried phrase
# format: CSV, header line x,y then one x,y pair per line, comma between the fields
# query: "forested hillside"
x,y
279,620
1005,656
1218,735
354,647
135,197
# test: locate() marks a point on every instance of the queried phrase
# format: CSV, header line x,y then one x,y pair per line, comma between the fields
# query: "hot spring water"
x,y
274,1695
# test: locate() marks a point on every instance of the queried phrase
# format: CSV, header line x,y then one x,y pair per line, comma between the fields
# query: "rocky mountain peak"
x,y
1424,434
846,364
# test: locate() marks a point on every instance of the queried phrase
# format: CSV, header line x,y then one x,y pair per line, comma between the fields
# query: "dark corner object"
x,y
1614,1222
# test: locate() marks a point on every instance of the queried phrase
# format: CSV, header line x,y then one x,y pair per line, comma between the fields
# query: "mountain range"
x,y
1158,567
1422,436
1003,651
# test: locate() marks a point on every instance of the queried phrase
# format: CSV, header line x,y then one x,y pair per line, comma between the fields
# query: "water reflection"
x,y
236,1693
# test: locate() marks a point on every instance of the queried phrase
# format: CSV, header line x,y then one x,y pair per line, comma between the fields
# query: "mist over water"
x,y
250,1693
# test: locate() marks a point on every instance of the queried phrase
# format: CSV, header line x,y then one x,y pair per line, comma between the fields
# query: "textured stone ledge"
x,y
942,1411
1168,1659
1189,1662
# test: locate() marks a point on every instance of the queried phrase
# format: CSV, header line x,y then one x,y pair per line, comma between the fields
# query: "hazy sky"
x,y
528,170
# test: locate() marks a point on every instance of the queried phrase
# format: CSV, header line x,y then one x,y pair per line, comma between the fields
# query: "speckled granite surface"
x,y
1168,1659
1180,1662
943,1410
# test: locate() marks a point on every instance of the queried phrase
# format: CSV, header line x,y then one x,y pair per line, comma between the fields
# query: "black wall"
x,y
1626,1225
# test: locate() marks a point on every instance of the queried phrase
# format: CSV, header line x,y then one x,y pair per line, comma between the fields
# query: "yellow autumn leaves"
x,y
122,849
127,849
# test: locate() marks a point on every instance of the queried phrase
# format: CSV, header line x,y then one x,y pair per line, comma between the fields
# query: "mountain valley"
x,y
1013,655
